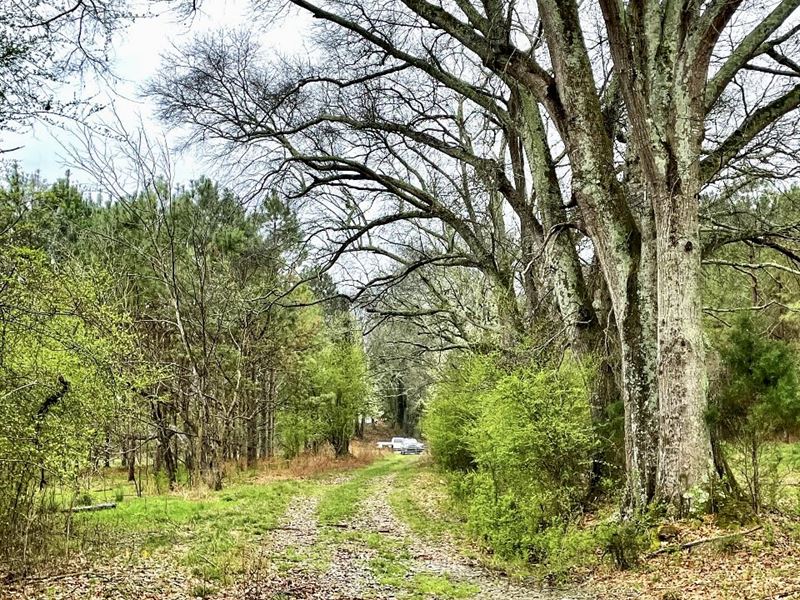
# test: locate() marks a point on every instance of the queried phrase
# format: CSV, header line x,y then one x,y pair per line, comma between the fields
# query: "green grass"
x,y
423,514
341,502
439,586
214,534
392,567
210,534
422,501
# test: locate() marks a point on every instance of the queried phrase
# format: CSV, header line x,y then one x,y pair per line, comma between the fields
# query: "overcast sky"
x,y
137,56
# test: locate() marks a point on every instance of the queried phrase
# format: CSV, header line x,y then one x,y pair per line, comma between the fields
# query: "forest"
x,y
557,242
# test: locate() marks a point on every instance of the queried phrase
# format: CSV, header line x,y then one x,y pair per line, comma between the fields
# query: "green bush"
x,y
66,364
453,409
520,443
624,541
757,398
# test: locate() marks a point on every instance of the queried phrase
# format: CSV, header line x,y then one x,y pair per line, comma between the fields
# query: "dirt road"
x,y
371,553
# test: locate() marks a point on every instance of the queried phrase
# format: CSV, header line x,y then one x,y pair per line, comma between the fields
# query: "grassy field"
x,y
220,539
215,536
210,533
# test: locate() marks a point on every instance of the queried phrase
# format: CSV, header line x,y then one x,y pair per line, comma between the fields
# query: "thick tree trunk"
x,y
685,450
685,459
562,274
638,344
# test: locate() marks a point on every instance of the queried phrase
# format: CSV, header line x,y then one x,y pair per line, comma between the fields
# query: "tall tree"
x,y
624,99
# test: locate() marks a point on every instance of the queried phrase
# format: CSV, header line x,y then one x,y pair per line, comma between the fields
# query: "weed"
x,y
83,499
728,545
202,590
439,586
625,541
388,570
341,502
211,531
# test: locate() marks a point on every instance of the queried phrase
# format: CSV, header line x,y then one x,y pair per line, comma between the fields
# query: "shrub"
x,y
65,367
520,442
625,541
535,437
453,409
757,398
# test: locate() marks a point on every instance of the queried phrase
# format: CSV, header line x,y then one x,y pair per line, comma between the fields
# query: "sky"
x,y
136,58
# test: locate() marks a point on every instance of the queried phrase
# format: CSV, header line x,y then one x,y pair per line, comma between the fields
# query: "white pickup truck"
x,y
412,446
395,444
403,445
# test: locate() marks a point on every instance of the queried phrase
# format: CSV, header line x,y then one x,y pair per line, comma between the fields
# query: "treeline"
x,y
169,330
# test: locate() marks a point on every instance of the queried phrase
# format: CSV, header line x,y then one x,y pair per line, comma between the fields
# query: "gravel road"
x,y
373,555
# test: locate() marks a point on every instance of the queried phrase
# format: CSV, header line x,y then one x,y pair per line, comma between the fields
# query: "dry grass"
x,y
310,465
103,484
762,565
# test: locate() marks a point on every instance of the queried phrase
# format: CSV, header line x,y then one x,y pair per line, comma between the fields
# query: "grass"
x,y
391,566
341,502
439,586
111,484
209,533
212,533
421,501
391,563
216,536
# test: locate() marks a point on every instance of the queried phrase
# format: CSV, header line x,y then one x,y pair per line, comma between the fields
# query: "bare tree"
x,y
46,46
606,133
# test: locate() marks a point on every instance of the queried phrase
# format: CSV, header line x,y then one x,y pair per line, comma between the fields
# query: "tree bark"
x,y
251,431
270,415
685,450
638,344
131,453
685,459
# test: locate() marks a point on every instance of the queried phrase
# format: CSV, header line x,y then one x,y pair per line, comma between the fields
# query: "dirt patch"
x,y
762,565
118,577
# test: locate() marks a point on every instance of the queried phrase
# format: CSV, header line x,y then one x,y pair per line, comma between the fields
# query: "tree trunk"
x,y
400,405
341,445
756,495
107,451
270,415
684,449
251,438
638,344
360,426
131,453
